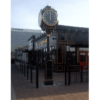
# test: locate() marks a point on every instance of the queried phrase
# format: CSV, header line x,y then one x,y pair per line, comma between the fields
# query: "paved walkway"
x,y
24,90
13,96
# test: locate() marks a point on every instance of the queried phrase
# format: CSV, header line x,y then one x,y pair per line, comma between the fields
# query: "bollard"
x,y
81,74
37,76
20,66
24,69
65,74
31,74
69,74
27,71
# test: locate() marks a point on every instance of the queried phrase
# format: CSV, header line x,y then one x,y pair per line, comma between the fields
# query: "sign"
x,y
41,42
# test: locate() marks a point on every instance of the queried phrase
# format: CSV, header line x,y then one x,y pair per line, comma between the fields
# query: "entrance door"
x,y
84,60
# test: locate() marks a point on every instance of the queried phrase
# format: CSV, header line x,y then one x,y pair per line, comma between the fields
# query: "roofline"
x,y
24,30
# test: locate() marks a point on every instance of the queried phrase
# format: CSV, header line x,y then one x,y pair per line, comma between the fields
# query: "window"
x,y
53,50
82,57
61,36
52,56
46,49
60,54
50,48
43,50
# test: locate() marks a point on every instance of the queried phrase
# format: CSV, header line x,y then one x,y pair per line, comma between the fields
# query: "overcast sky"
x,y
24,13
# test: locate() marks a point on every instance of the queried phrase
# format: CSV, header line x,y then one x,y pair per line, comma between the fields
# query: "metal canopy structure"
x,y
76,36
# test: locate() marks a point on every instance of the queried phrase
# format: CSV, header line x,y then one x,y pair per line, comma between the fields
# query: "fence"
x,y
26,70
76,76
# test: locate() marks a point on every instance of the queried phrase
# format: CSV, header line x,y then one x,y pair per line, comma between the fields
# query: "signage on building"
x,y
41,42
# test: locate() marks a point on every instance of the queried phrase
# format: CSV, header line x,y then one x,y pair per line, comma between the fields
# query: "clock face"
x,y
40,18
50,18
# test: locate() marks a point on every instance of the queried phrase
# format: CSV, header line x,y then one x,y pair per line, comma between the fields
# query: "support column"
x,y
77,54
77,57
48,65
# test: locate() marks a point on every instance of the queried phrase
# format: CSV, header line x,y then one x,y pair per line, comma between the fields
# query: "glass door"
x,y
59,58
84,59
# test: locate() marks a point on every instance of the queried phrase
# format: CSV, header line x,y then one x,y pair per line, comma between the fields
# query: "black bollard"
x,y
24,69
81,74
20,66
65,74
69,74
37,76
27,71
31,74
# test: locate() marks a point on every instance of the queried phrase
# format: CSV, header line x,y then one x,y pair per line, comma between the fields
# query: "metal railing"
x,y
25,68
75,76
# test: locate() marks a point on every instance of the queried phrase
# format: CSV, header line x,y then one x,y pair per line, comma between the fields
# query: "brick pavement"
x,y
25,90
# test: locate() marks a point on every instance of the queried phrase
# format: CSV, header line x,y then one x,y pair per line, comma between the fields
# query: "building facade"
x,y
19,37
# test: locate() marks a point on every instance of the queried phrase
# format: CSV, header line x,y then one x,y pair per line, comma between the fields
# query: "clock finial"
x,y
47,4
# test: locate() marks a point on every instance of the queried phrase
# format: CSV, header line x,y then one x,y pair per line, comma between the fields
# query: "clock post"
x,y
48,22
48,64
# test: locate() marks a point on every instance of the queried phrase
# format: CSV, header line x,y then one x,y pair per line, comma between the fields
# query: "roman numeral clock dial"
x,y
50,18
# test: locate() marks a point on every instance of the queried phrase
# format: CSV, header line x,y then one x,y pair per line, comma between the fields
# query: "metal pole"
x,y
65,66
37,76
69,66
69,73
48,50
31,74
27,71
81,74
65,74
24,69
20,65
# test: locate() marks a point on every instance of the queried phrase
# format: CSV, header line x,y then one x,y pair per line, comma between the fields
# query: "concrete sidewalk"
x,y
24,90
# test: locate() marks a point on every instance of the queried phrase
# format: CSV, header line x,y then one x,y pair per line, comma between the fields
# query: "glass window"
x,y
59,54
50,48
72,57
52,57
69,36
46,50
53,51
67,48
72,48
61,36
82,57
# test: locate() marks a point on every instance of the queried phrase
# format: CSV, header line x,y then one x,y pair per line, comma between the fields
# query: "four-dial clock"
x,y
50,18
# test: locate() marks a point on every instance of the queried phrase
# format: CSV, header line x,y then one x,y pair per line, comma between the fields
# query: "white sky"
x,y
24,13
